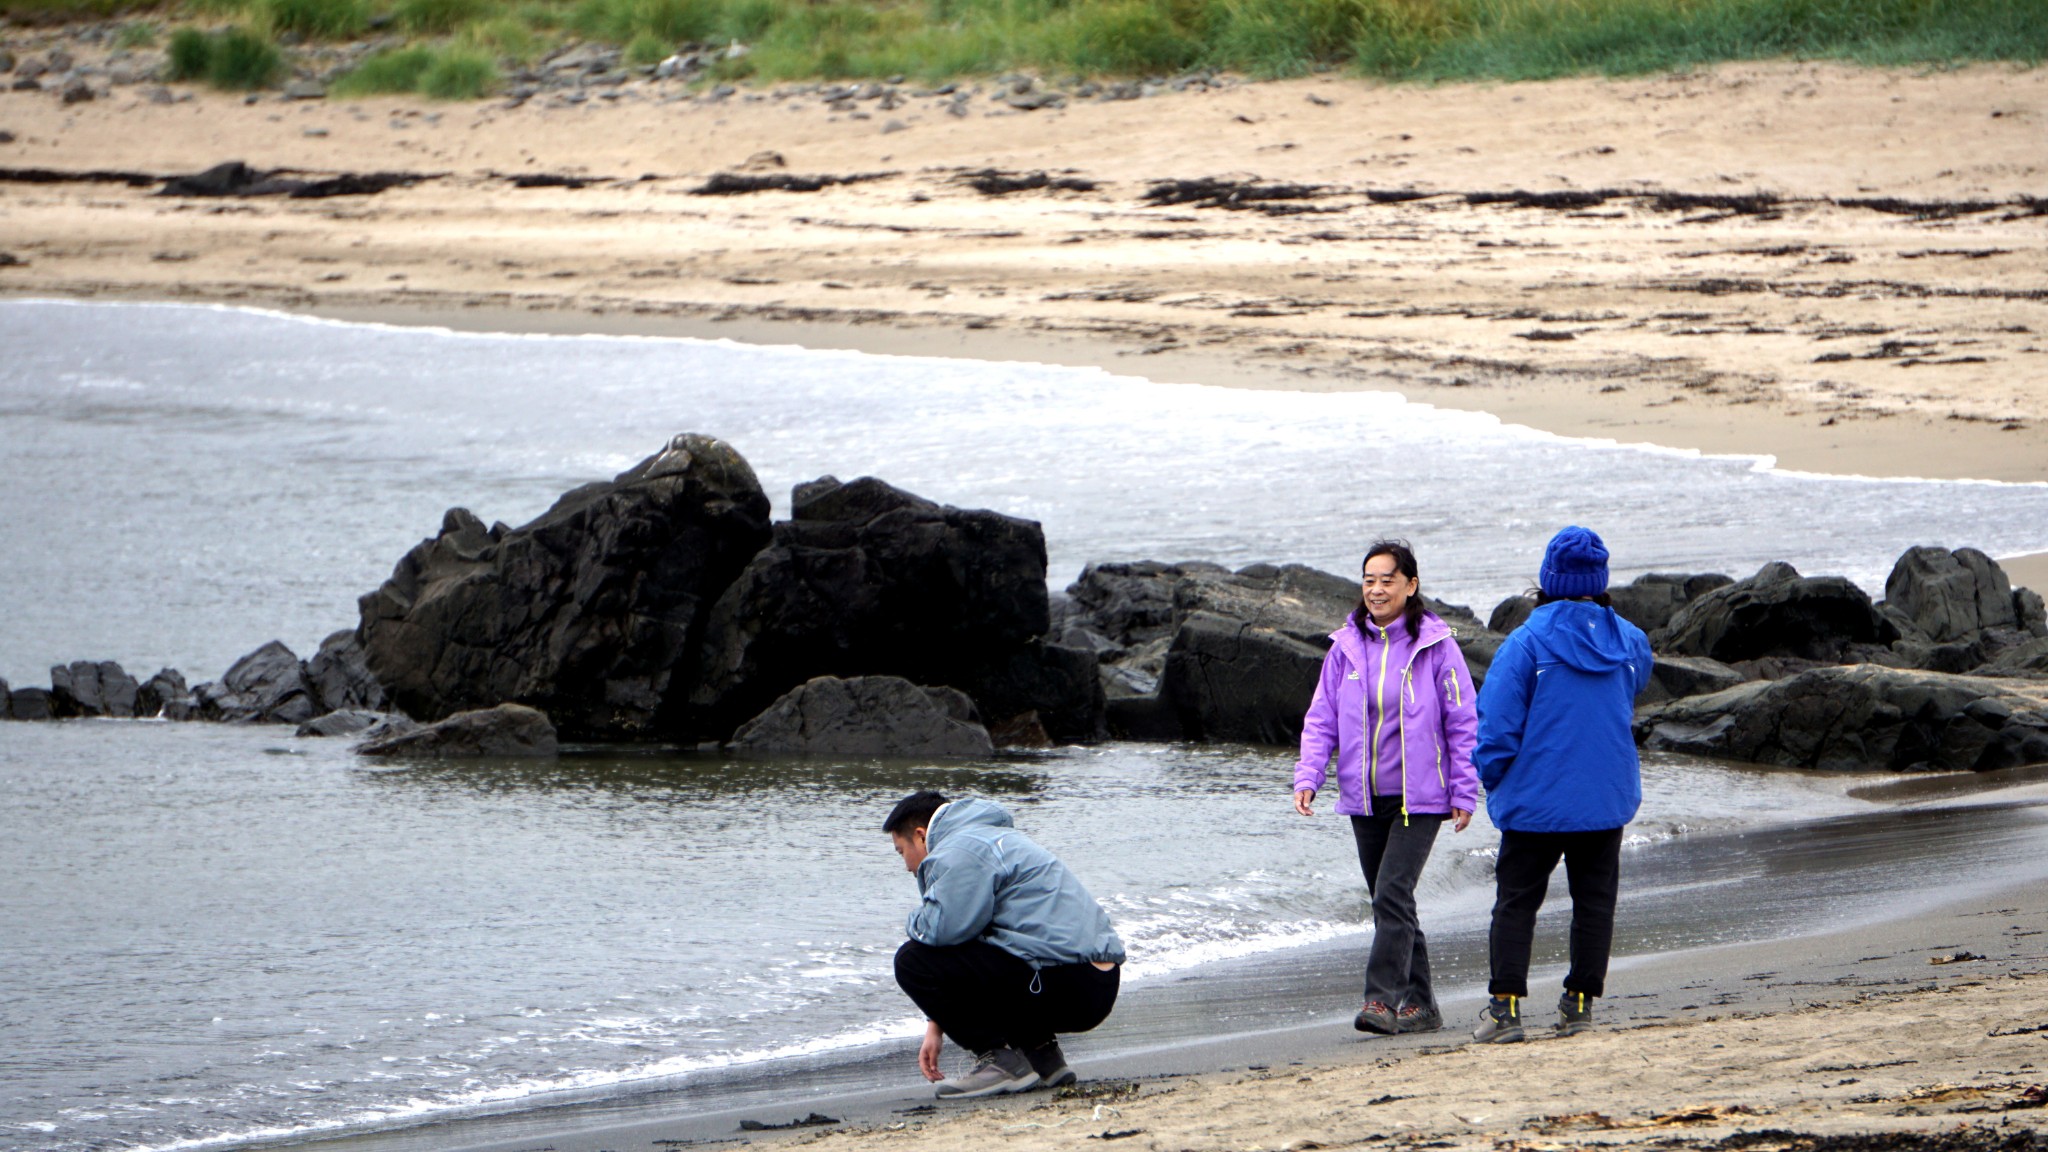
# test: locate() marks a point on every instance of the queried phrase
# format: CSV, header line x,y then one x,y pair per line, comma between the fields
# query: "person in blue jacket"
x,y
1557,754
1006,947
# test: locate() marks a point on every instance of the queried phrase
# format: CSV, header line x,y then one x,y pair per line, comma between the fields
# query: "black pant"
x,y
984,998
1392,850
1592,868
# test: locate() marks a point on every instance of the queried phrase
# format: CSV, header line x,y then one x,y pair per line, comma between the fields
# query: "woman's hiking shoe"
x,y
999,1070
1416,1018
1376,1017
1574,1013
1051,1065
1500,1022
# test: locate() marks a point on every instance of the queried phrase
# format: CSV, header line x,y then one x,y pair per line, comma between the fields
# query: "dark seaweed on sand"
x,y
994,182
741,183
1212,192
1973,1139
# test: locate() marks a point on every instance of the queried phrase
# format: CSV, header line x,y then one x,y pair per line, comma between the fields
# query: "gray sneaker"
x,y
999,1070
1500,1022
1574,1013
1051,1065
1376,1017
1416,1018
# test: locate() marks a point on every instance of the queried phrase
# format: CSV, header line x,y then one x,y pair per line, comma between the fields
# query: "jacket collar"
x,y
1352,641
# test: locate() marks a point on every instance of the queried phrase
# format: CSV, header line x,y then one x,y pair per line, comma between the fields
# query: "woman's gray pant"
x,y
1392,850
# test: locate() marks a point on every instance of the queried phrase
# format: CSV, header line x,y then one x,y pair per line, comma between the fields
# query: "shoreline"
x,y
1780,314
1213,1046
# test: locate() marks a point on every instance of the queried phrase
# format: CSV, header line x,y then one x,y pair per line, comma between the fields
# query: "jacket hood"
x,y
959,814
1582,634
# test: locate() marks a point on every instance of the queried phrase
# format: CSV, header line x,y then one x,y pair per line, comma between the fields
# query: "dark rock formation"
x,y
1677,677
1131,603
1511,613
2029,658
592,612
506,730
867,579
866,716
1055,686
86,688
1231,679
30,704
1777,612
268,686
1861,718
5,695
164,696
371,726
339,677
1943,596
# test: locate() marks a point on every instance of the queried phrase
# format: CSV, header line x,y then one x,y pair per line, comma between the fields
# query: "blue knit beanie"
x,y
1575,564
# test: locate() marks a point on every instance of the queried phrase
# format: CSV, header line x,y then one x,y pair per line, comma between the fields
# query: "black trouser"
x,y
984,998
1392,849
1592,868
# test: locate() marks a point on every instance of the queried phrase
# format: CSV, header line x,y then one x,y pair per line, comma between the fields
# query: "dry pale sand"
x,y
1857,339
1965,1045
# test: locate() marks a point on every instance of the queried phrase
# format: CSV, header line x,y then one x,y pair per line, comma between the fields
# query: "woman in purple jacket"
x,y
1395,703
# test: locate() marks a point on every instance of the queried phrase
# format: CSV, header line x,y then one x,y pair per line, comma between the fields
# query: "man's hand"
x,y
1303,799
1460,819
928,1052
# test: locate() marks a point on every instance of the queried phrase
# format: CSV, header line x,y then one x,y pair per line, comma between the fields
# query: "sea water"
x,y
213,933
187,483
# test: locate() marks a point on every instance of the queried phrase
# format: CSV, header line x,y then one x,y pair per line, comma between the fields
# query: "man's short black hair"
x,y
912,812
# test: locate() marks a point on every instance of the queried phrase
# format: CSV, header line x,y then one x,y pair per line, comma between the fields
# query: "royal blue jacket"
x,y
1556,749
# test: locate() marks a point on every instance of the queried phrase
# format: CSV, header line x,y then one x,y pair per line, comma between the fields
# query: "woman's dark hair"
x,y
1542,598
1404,563
912,812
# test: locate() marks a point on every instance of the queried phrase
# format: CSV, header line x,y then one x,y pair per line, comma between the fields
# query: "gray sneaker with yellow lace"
x,y
1574,1013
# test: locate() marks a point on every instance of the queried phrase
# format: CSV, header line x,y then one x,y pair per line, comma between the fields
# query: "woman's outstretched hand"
x,y
928,1052
1460,819
1302,801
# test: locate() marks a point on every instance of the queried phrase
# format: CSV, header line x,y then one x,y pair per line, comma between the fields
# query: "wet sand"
x,y
1761,980
1829,266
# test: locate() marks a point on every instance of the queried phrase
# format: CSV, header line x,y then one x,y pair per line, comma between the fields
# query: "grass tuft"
x,y
448,73
438,17
237,60
319,19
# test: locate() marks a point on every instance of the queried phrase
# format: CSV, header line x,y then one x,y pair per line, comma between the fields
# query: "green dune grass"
x,y
1413,40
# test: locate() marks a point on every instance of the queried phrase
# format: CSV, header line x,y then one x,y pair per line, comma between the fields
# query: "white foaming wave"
x,y
418,1108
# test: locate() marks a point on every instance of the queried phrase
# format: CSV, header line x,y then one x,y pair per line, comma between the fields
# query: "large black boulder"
x,y
1677,677
268,686
1941,596
339,676
593,612
86,688
1777,613
1228,678
866,579
506,730
867,716
1864,717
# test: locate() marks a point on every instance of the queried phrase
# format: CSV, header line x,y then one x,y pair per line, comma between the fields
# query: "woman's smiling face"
x,y
1386,591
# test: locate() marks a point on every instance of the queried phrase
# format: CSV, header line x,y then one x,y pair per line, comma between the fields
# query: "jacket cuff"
x,y
1309,778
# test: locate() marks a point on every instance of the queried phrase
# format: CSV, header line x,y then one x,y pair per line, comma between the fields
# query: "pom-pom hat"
x,y
1574,564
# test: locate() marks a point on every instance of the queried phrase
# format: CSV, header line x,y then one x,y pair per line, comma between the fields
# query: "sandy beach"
x,y
1842,272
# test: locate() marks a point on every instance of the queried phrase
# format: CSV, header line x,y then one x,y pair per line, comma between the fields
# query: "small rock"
x,y
305,90
161,95
6,137
315,133
867,716
251,98
764,160
26,84
507,730
77,92
85,688
60,60
372,726
30,704
6,61
165,697
894,126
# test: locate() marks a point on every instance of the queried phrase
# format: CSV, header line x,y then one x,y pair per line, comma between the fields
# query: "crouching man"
x,y
1006,947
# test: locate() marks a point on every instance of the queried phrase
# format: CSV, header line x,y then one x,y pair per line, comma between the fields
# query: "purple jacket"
x,y
1431,725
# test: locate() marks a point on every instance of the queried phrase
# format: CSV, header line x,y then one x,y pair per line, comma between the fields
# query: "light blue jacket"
x,y
1556,750
983,879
